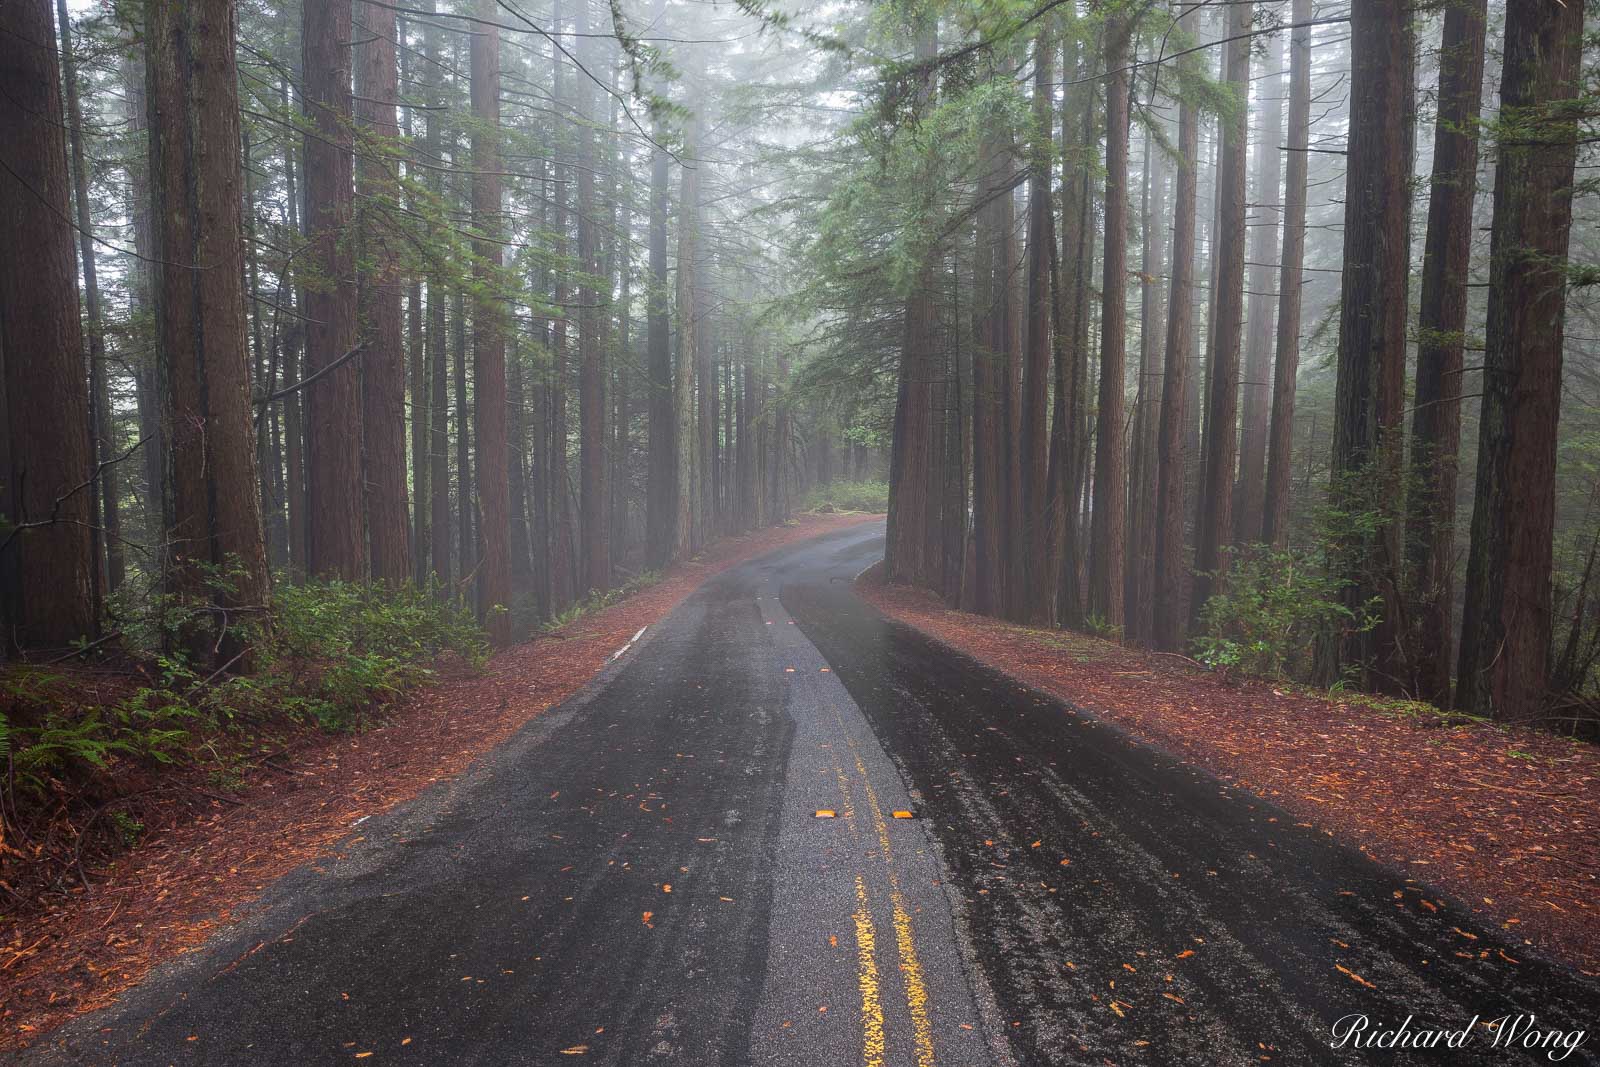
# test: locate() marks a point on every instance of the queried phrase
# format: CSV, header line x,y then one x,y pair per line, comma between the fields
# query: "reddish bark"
x,y
49,562
383,376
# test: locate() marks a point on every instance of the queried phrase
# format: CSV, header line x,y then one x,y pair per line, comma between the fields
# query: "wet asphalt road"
x,y
639,877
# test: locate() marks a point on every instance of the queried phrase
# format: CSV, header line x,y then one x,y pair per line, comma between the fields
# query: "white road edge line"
x,y
631,642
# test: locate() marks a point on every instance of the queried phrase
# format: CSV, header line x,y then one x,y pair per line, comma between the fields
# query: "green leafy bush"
x,y
848,496
1270,612
328,654
595,601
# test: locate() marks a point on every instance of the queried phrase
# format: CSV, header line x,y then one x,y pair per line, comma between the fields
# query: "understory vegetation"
x,y
868,496
88,746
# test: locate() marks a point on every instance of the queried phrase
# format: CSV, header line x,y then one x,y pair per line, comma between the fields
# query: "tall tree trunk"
x,y
1074,269
1291,284
1170,610
1505,632
383,375
953,543
1108,518
905,549
1249,500
333,410
438,348
991,360
1441,340
195,187
564,549
107,506
1372,331
1038,605
661,489
618,258
438,437
417,350
488,334
683,386
139,272
521,544
50,600
466,507
1140,606
705,377
593,494
294,405
1222,399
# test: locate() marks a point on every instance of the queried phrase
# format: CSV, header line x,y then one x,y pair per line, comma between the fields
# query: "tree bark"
x,y
1037,605
488,329
1170,611
991,367
383,376
593,494
466,508
333,410
1256,416
195,188
661,492
106,507
683,386
51,600
438,432
139,272
1441,341
1215,526
1139,608
1505,631
1291,284
1369,395
1108,517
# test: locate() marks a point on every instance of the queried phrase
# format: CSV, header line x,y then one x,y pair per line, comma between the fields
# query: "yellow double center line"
x,y
916,989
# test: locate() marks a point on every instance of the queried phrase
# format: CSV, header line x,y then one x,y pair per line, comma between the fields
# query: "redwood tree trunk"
x,y
1037,604
1441,340
1215,525
990,368
333,410
488,330
1505,632
661,491
593,494
1170,610
1108,517
383,376
683,385
200,314
106,507
1372,331
51,602
1257,414
1280,435
1140,606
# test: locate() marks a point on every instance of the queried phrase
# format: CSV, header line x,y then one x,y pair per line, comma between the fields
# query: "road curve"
x,y
641,876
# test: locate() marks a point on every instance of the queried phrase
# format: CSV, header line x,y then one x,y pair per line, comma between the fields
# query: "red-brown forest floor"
x,y
181,883
1505,821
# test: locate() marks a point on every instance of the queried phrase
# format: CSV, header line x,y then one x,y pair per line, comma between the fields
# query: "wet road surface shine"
x,y
640,877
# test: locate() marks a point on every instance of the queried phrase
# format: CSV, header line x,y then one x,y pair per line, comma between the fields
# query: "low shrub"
x,y
1268,616
872,497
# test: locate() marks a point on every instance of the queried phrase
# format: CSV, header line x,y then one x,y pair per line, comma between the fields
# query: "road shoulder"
x,y
179,888
1507,822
